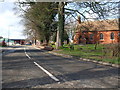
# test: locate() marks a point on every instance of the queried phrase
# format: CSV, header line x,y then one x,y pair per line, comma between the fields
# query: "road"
x,y
28,67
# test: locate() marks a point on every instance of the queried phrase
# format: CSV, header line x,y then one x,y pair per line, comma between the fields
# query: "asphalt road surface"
x,y
28,67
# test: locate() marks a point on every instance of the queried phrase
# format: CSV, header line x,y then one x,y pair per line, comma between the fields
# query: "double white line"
x,y
48,73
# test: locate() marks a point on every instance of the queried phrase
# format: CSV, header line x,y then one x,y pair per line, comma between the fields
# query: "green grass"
x,y
113,61
88,51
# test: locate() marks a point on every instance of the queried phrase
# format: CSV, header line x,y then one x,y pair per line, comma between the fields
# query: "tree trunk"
x,y
46,41
57,40
96,45
35,41
60,32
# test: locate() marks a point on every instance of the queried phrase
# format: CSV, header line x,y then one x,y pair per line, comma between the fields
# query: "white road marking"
x,y
53,77
27,54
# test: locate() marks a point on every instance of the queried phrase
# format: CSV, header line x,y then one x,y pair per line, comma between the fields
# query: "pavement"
x,y
9,49
28,67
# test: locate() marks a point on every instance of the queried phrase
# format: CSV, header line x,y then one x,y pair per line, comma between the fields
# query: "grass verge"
x,y
89,52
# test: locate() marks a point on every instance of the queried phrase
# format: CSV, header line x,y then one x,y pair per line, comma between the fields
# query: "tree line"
x,y
45,19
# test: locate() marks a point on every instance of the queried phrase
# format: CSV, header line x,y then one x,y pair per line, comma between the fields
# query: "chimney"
x,y
79,20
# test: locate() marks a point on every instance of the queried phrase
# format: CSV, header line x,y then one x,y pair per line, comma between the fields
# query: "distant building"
x,y
12,41
102,32
18,41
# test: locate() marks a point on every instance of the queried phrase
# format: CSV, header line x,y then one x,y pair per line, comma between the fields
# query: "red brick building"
x,y
102,32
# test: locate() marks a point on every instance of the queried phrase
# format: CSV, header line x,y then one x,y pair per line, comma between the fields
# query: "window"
x,y
118,34
91,36
112,35
101,36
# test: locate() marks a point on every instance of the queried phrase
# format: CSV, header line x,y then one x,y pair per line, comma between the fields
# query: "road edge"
x,y
83,59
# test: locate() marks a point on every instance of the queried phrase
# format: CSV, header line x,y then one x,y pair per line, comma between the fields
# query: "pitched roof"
x,y
98,25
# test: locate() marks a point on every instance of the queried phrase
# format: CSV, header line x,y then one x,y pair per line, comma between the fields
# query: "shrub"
x,y
116,50
112,50
71,47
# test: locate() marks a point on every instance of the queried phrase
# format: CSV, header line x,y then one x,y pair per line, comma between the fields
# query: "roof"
x,y
112,24
102,31
10,40
17,39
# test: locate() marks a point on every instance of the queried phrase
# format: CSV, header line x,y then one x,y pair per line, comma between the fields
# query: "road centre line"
x,y
53,77
27,54
48,73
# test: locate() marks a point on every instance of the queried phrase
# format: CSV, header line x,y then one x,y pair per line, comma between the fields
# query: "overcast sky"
x,y
9,22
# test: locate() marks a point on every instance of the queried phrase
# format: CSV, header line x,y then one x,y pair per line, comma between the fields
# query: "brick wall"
x,y
93,37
